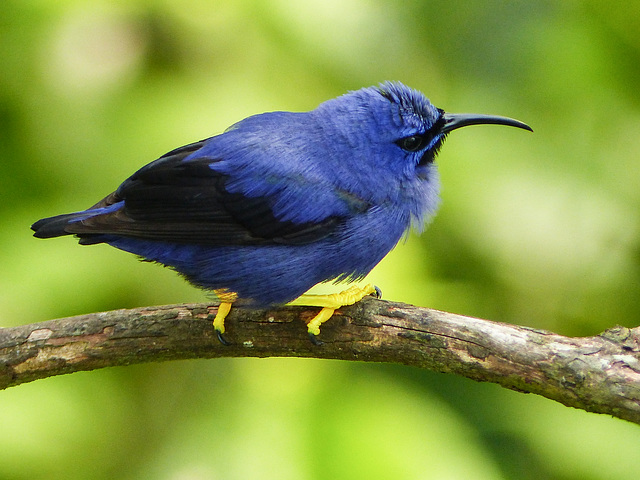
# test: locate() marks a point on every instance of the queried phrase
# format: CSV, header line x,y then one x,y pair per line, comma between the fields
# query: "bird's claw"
x,y
221,338
315,340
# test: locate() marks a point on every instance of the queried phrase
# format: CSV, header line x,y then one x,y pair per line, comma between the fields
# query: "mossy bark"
x,y
598,374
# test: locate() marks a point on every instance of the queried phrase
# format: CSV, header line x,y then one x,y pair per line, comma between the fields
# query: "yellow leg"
x,y
226,300
313,327
330,303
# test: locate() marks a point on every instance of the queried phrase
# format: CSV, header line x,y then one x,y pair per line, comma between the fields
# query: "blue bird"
x,y
282,201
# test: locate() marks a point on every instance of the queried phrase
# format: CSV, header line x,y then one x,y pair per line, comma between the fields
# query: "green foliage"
x,y
540,229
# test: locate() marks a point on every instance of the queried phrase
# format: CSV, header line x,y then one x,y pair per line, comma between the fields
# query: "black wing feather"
x,y
186,202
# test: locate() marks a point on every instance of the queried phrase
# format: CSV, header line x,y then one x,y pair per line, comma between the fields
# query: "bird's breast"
x,y
363,240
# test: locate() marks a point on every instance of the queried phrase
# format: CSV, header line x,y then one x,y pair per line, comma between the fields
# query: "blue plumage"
x,y
282,201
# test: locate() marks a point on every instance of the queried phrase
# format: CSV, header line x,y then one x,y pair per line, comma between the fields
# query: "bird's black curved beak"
x,y
457,120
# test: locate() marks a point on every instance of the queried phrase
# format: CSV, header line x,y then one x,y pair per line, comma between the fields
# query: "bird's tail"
x,y
57,226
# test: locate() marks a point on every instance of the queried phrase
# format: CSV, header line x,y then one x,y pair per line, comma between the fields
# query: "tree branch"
x,y
598,374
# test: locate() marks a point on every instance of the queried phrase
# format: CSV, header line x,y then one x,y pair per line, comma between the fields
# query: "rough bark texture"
x,y
598,374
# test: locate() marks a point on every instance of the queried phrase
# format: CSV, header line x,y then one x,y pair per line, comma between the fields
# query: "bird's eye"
x,y
412,143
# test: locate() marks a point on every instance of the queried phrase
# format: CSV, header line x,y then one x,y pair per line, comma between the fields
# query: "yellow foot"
x,y
226,300
330,303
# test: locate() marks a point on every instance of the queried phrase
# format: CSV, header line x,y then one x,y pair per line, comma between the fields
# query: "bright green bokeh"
x,y
541,229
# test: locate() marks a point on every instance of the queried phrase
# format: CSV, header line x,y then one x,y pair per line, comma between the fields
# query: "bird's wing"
x,y
180,201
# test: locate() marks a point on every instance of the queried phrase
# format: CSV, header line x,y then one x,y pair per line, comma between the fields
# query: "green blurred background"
x,y
541,230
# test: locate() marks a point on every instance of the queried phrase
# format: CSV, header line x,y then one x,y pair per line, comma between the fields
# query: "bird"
x,y
282,201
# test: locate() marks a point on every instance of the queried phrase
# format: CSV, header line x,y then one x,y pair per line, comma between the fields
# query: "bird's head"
x,y
395,133
397,127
